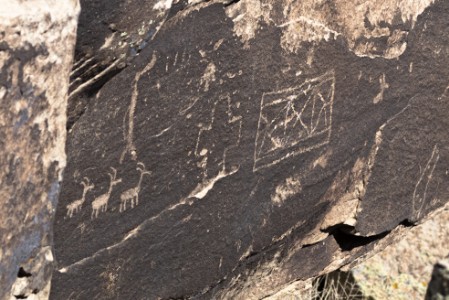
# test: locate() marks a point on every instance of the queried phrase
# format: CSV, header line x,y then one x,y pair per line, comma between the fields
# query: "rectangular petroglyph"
x,y
294,120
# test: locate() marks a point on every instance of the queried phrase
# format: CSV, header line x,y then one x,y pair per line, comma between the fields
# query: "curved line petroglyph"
x,y
422,185
129,138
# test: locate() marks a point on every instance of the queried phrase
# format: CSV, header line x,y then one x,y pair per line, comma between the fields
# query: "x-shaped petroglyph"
x,y
294,120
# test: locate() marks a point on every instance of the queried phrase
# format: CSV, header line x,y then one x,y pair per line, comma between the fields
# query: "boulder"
x,y
404,268
439,285
251,144
37,40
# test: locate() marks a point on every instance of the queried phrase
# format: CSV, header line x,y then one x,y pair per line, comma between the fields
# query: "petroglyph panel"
x,y
294,120
257,142
377,28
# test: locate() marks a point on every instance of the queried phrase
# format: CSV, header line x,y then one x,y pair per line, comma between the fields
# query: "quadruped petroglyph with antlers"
x,y
100,203
132,194
292,121
75,206
281,134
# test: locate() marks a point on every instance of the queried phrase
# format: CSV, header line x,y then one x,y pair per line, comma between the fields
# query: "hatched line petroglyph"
x,y
294,120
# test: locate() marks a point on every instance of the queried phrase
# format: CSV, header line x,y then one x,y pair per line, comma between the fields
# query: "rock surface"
x,y
37,39
110,35
403,270
439,285
251,144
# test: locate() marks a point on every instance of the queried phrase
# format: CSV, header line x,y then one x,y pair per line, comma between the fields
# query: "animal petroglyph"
x,y
294,120
76,205
217,139
132,194
101,202
129,134
420,193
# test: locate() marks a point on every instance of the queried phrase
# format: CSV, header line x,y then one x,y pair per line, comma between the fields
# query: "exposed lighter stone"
x,y
37,39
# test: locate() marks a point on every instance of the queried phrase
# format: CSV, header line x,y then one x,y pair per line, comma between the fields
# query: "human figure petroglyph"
x,y
76,205
217,139
422,185
215,144
101,202
294,120
133,193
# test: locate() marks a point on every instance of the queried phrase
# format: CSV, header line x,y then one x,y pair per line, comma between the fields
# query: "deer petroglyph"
x,y
101,202
133,193
75,206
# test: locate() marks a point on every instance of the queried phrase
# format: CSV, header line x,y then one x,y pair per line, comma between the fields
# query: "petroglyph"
x,y
246,16
285,190
208,76
215,142
204,187
307,30
136,231
322,160
101,202
294,120
420,194
129,134
80,64
217,139
132,194
191,104
163,5
76,205
383,86
82,87
364,24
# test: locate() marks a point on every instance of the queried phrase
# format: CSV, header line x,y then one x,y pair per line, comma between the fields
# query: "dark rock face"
x,y
250,145
37,39
110,35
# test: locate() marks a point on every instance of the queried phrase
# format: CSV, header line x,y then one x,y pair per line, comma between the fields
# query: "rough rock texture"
x,y
251,144
37,39
439,285
403,270
110,35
